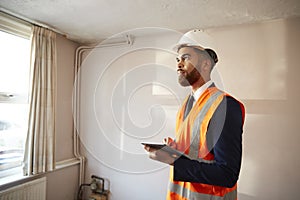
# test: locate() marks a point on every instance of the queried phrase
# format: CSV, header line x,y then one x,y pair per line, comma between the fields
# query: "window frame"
x,y
19,28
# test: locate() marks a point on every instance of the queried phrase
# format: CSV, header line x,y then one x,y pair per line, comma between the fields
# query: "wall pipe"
x,y
76,98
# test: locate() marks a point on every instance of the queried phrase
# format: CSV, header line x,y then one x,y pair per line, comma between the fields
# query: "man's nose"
x,y
180,64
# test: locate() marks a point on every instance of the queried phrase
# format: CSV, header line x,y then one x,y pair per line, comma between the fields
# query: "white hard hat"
x,y
198,39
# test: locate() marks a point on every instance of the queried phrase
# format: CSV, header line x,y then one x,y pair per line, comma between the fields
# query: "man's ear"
x,y
206,64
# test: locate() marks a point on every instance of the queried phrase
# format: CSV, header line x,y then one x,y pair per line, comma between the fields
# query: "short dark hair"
x,y
211,54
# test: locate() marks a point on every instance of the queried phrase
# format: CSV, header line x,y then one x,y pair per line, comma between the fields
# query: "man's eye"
x,y
186,57
183,58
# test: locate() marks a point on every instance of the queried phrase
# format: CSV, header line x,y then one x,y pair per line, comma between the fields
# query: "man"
x,y
208,129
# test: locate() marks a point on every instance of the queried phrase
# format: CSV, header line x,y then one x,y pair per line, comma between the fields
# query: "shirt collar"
x,y
201,89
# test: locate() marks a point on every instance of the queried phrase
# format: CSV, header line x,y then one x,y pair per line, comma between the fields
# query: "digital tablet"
x,y
154,145
175,153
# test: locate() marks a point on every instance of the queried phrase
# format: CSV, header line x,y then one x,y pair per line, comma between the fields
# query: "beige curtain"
x,y
39,149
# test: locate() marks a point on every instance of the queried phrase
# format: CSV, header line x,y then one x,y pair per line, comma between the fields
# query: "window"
x,y
14,100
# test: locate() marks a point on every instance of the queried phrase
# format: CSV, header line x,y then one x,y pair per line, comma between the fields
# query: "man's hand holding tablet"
x,y
165,153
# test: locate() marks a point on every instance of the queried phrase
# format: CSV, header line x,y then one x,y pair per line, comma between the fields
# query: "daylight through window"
x,y
14,100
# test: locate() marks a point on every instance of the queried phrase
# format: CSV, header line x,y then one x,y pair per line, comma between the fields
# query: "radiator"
x,y
33,190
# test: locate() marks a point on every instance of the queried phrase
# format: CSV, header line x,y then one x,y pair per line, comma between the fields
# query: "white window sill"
x,y
16,174
11,175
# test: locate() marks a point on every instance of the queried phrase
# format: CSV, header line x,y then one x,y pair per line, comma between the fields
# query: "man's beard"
x,y
189,78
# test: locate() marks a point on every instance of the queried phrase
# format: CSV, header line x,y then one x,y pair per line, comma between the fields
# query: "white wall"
x,y
129,94
120,109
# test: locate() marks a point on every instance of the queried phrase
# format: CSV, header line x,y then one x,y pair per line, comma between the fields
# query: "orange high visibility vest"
x,y
191,139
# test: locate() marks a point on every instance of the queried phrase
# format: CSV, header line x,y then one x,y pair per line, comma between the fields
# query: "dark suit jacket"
x,y
224,138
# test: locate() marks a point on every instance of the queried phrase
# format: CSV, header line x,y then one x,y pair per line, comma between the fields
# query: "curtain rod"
x,y
30,21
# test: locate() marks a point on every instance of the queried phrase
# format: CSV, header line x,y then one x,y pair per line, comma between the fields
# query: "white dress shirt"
x,y
200,91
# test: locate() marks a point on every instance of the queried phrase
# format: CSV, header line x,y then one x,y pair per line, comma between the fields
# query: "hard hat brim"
x,y
179,46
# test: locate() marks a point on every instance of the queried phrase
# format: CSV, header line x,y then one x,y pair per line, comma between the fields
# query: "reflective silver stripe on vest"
x,y
186,193
195,139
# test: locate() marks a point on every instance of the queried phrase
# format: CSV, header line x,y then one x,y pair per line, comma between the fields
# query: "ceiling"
x,y
94,20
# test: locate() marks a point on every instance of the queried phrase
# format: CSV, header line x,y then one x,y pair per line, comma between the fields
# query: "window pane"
x,y
14,63
14,90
